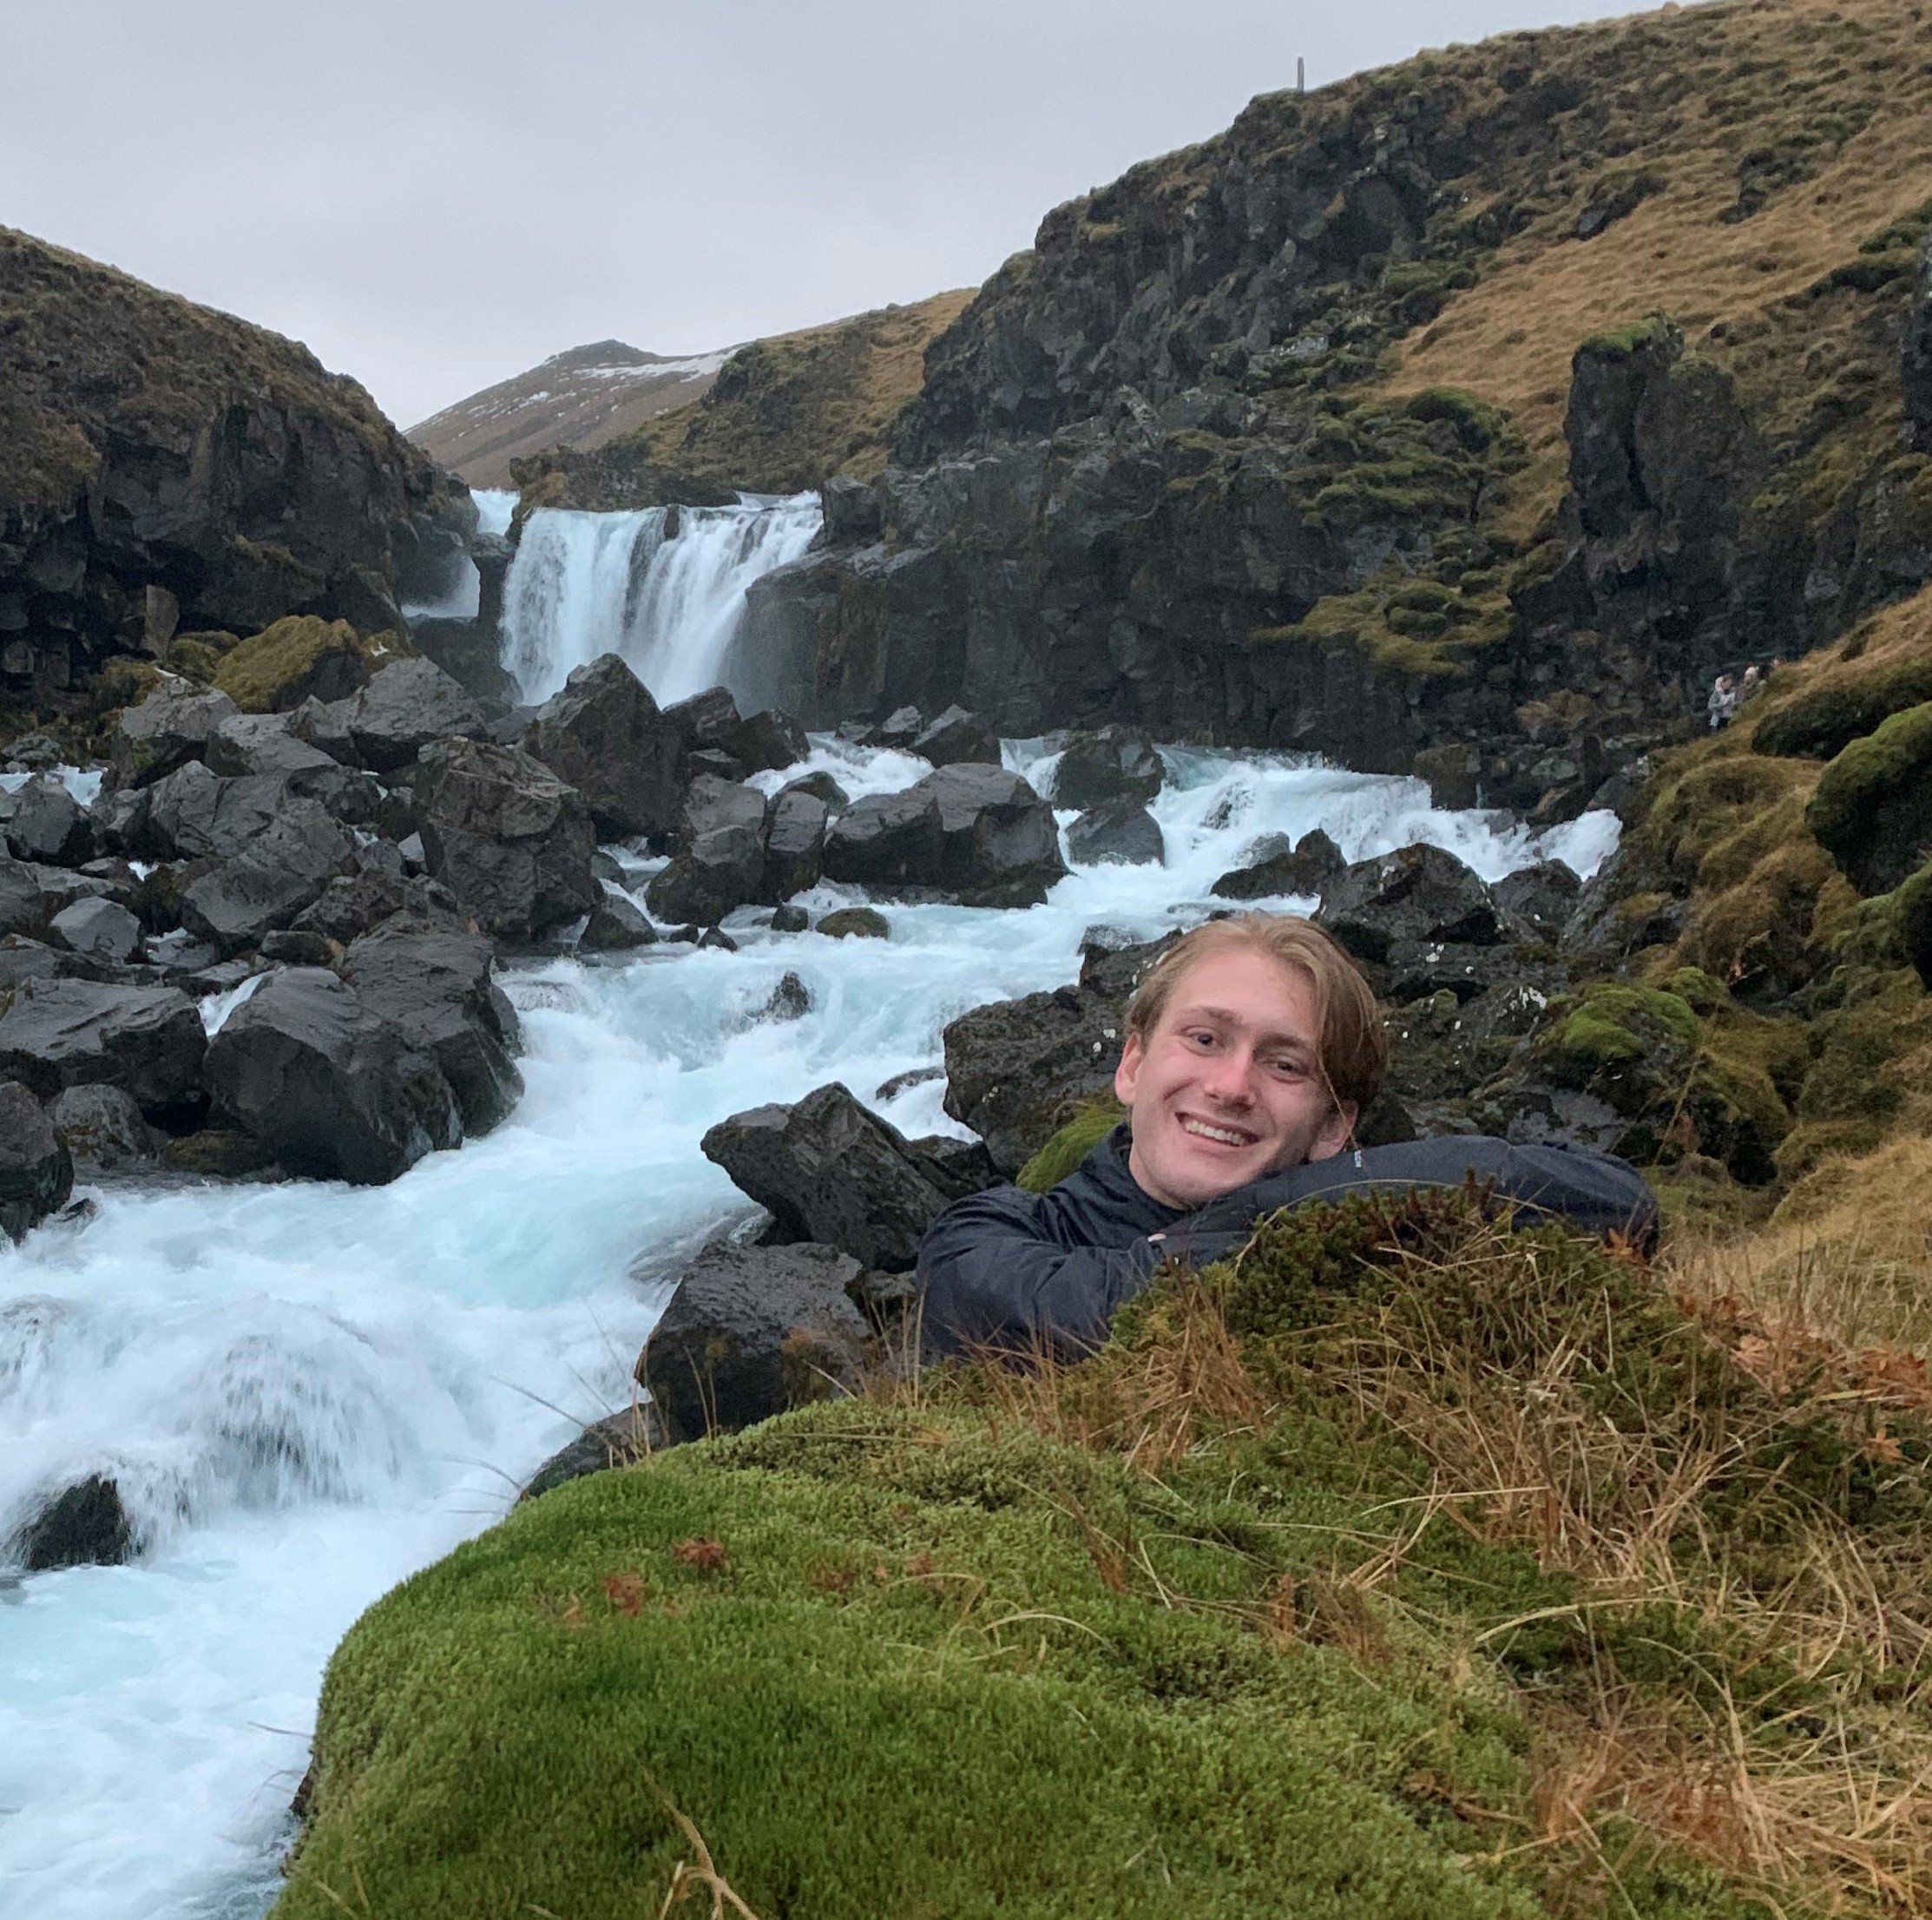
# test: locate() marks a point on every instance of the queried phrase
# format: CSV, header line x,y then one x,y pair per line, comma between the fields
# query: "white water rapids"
x,y
307,1391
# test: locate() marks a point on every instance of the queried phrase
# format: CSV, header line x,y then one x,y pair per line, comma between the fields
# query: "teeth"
x,y
1222,1133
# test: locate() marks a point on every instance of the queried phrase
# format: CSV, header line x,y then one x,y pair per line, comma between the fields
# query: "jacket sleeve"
x,y
1592,1191
993,1279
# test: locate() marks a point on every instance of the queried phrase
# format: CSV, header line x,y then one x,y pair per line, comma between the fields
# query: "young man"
x,y
1251,1047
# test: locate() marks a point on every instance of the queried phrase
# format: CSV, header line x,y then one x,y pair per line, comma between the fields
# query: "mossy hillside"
x,y
1230,1619
274,671
1873,806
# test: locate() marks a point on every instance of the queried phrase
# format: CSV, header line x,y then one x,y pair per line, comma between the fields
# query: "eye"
x,y
1285,1067
1202,1038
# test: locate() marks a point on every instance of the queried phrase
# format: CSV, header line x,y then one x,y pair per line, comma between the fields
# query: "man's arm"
x,y
994,1277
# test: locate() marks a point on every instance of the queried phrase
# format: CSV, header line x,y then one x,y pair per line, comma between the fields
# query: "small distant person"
x,y
1752,681
1723,703
1251,1049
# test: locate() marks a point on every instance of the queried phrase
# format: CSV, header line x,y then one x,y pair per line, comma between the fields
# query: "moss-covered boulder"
x,y
1873,807
284,664
1841,704
1070,1146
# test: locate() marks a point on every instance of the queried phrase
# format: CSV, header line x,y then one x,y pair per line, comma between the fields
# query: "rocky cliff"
x,y
1501,397
164,467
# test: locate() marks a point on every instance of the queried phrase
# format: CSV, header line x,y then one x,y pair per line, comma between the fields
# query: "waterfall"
x,y
664,587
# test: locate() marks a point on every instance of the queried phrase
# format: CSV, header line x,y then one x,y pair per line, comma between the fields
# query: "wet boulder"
x,y
31,895
603,735
616,924
1540,898
998,843
406,706
958,736
1416,893
506,836
44,822
147,1041
82,1525
195,814
351,903
325,1084
769,741
718,859
96,930
1306,869
435,985
37,1167
103,1127
618,1440
1120,832
887,840
300,657
1116,763
167,730
828,1169
794,842
898,730
707,721
854,924
264,743
751,1330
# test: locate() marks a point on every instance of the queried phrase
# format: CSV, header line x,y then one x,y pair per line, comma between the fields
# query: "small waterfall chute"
x,y
663,587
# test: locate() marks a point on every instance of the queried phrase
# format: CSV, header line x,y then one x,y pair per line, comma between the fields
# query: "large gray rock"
x,y
751,1330
794,842
37,1170
828,1169
999,846
1416,893
167,729
887,840
1308,868
603,735
103,1127
436,987
1121,830
506,836
147,1041
97,930
407,705
263,743
352,903
1540,898
768,740
30,895
957,736
718,860
1116,763
617,924
194,814
45,822
325,1084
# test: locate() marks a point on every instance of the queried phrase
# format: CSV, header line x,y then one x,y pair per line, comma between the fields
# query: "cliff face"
x,y
1353,428
165,467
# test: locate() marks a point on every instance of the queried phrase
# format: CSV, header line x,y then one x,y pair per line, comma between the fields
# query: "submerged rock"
x,y
1114,763
1121,830
1306,869
103,1127
82,1525
36,1170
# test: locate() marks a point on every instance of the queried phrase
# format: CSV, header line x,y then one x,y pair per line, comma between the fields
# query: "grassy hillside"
x,y
784,414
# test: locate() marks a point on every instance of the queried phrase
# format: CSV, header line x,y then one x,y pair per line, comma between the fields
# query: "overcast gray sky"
x,y
436,193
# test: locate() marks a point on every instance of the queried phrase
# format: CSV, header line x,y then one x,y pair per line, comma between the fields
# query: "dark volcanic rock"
x,y
263,743
768,740
506,836
999,846
616,924
103,1127
794,842
147,1041
36,1170
898,730
30,895
1116,763
854,924
1417,893
408,704
1540,897
718,862
887,840
751,1330
327,1086
83,1525
353,903
1309,868
605,735
1915,356
1122,831
97,930
618,1440
169,728
955,736
828,1169
45,822
435,986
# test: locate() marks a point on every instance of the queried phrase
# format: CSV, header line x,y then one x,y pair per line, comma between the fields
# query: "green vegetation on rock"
x,y
277,669
1070,1146
1873,806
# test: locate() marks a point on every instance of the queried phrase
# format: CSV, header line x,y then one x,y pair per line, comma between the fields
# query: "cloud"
x,y
435,196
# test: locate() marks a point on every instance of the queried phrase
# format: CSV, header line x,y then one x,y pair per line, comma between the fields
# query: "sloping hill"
x,y
581,398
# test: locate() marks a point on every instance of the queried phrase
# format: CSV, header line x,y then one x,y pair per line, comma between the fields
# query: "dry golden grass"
x,y
1727,80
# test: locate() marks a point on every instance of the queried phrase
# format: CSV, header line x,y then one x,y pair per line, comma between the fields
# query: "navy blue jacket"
x,y
1011,1269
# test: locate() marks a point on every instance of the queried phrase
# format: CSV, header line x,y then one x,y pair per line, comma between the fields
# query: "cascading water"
x,y
664,587
304,1391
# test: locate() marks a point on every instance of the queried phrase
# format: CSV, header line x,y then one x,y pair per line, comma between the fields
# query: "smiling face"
x,y
1227,1085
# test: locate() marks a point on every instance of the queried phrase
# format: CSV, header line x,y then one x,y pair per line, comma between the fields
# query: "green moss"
x,y
1070,1146
279,667
1621,342
1824,718
1873,806
1407,626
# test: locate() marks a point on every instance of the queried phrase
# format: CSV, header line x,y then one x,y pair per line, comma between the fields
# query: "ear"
x,y
1129,1072
1335,1129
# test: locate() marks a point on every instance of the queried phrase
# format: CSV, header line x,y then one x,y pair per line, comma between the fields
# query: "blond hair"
x,y
1352,1046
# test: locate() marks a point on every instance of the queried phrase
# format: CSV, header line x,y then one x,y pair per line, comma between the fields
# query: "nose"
x,y
1230,1078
